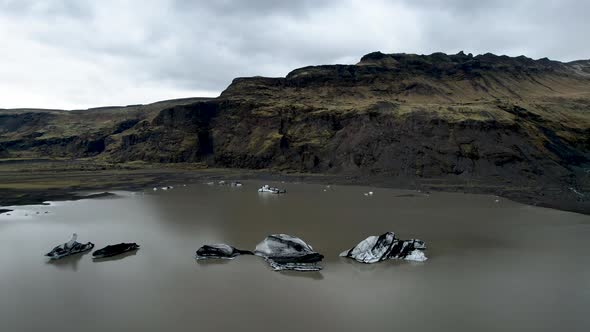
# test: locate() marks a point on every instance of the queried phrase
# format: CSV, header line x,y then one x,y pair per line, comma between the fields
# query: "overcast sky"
x,y
79,54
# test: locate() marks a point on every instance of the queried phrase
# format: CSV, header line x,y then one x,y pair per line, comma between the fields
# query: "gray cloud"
x,y
89,53
51,8
251,8
544,28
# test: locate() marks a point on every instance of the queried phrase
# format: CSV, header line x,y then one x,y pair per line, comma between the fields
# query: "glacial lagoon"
x,y
493,264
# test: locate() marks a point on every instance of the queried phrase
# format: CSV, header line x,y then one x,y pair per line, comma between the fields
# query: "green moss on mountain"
x,y
492,119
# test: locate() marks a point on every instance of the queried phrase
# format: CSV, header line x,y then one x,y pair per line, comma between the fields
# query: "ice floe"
x,y
272,190
69,248
220,250
375,249
286,252
115,249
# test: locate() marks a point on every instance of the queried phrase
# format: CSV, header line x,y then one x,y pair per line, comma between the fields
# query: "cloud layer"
x,y
79,54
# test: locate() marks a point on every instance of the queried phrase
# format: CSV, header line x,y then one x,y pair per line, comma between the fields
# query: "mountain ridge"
x,y
485,119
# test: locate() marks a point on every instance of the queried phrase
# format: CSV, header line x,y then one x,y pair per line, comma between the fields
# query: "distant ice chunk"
x,y
268,189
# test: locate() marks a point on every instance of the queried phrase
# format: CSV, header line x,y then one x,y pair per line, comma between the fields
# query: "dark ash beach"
x,y
34,182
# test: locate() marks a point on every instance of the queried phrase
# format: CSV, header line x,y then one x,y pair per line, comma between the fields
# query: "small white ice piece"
x,y
416,256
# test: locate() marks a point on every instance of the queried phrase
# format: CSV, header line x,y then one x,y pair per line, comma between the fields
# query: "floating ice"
x,y
69,248
286,252
272,190
416,255
386,246
219,250
115,249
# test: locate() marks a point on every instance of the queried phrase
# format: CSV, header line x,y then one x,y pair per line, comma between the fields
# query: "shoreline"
x,y
23,183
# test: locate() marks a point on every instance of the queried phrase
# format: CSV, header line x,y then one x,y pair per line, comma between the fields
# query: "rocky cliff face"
x,y
493,118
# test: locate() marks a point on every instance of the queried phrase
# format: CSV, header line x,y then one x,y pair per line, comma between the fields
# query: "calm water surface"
x,y
492,266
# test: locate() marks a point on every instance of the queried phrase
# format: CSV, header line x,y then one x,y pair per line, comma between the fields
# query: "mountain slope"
x,y
495,120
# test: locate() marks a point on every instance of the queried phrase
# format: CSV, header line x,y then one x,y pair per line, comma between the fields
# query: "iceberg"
x,y
220,250
272,190
69,248
375,249
286,252
115,249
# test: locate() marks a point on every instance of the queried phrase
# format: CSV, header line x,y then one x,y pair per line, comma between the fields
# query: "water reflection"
x,y
69,262
313,275
214,261
117,257
362,267
480,254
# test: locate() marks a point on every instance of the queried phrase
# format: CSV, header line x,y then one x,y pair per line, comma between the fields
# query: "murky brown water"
x,y
492,266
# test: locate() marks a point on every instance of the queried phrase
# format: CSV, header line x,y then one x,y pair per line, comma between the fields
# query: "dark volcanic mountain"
x,y
488,121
